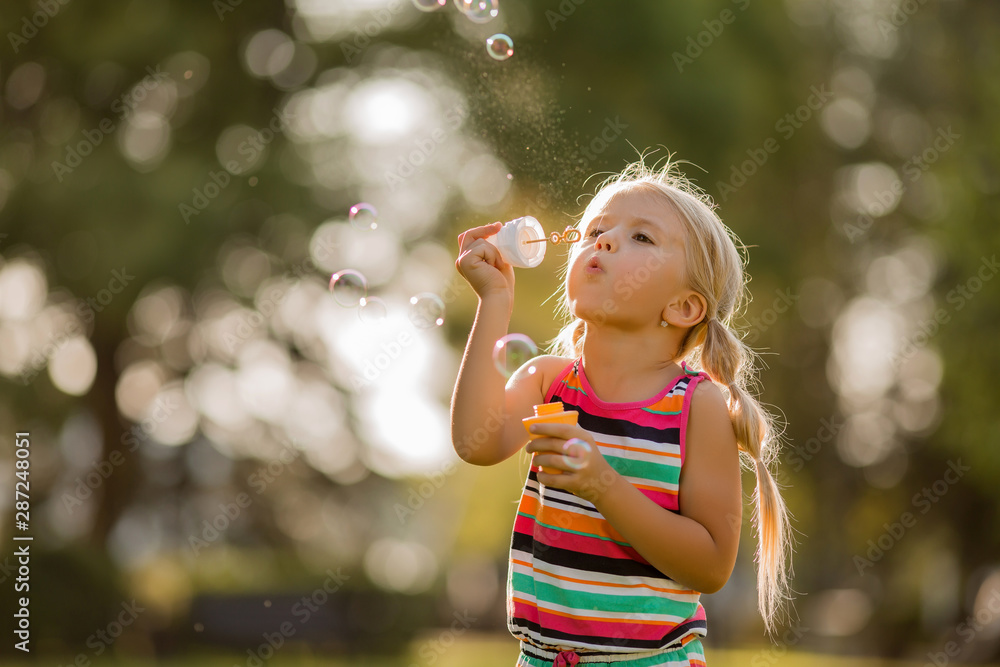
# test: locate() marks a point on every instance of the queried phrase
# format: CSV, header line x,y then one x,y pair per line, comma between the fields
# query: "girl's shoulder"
x,y
551,366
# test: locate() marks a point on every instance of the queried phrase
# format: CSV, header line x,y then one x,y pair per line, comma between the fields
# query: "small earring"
x,y
663,323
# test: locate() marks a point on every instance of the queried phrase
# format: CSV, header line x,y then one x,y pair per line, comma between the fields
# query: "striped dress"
x,y
574,583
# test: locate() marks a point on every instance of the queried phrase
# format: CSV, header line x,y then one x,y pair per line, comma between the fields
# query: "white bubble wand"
x,y
516,238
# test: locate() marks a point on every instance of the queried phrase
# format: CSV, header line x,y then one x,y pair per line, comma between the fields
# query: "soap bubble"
x,y
363,216
500,46
575,453
479,11
429,5
349,287
373,310
426,310
512,351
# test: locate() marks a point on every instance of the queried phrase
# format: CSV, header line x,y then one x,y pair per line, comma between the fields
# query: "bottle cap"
x,y
520,242
548,408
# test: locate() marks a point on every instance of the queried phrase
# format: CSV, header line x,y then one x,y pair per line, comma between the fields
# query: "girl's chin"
x,y
592,312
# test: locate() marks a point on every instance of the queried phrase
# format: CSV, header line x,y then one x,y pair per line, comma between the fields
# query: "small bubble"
x,y
426,310
429,5
510,177
513,351
363,216
348,287
267,603
576,452
373,310
479,11
188,74
252,181
500,46
198,627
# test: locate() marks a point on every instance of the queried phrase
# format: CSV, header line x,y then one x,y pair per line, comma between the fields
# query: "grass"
x,y
474,650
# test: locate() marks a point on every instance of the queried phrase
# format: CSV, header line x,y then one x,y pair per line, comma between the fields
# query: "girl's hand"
x,y
481,264
583,471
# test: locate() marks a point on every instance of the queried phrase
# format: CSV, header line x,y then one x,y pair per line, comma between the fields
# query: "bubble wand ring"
x,y
569,235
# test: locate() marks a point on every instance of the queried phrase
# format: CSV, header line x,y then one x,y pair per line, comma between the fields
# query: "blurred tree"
x,y
799,117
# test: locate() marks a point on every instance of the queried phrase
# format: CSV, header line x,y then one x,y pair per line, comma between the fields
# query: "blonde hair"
x,y
715,269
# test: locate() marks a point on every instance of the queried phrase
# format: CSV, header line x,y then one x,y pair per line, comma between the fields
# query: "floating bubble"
x,y
429,5
364,216
500,47
348,287
373,310
512,351
576,451
426,310
479,11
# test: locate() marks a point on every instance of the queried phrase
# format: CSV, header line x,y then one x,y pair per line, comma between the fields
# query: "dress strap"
x,y
687,369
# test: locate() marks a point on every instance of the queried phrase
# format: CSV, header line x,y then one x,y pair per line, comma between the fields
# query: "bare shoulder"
x,y
708,398
547,369
710,428
529,384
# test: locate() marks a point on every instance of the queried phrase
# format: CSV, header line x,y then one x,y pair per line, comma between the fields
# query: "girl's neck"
x,y
625,368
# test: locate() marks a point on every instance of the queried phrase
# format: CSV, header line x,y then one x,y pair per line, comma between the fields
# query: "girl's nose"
x,y
603,243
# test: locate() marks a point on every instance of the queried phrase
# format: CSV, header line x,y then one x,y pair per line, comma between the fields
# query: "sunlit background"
x,y
218,434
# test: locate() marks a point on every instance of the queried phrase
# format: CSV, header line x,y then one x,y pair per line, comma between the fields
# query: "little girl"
x,y
617,536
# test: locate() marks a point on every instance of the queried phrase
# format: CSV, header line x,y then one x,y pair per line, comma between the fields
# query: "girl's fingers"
x,y
543,445
488,253
466,238
550,477
552,462
555,445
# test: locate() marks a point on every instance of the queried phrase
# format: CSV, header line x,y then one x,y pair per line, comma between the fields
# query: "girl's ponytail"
x,y
726,360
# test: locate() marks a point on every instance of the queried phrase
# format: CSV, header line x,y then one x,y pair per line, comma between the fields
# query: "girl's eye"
x,y
639,235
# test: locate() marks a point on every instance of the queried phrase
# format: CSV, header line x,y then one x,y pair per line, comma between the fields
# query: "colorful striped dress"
x,y
574,583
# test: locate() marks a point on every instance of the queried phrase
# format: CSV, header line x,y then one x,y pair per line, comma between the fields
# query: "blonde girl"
x,y
627,517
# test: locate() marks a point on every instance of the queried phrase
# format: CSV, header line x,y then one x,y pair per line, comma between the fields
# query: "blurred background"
x,y
231,463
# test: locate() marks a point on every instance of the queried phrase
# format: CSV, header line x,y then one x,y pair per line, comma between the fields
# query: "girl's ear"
x,y
687,311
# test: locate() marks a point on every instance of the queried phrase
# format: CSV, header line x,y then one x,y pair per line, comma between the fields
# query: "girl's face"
x,y
629,264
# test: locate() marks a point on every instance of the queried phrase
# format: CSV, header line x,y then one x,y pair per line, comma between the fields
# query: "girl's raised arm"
x,y
486,413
